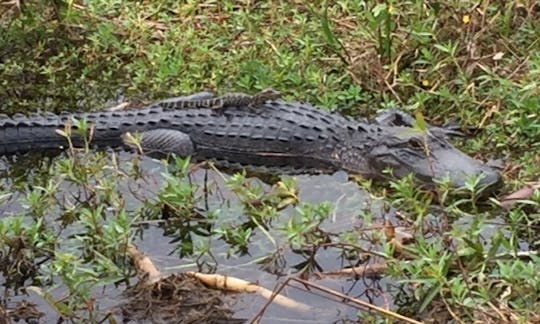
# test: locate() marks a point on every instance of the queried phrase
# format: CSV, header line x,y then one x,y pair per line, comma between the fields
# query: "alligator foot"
x,y
397,117
161,142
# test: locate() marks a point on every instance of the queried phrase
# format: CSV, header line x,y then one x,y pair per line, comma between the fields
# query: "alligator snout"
x,y
430,157
459,168
490,178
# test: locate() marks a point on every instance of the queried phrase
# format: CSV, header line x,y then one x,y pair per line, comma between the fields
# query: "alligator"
x,y
208,100
292,136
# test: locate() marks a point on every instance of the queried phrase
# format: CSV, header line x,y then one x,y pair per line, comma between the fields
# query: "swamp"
x,y
103,235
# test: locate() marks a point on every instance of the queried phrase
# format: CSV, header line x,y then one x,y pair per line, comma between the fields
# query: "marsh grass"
x,y
474,62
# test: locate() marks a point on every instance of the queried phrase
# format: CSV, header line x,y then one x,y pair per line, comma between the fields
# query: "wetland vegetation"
x,y
445,254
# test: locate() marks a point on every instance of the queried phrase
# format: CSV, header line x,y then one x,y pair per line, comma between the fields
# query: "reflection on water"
x,y
158,240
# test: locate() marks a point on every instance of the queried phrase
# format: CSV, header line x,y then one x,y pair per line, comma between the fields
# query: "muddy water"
x,y
347,201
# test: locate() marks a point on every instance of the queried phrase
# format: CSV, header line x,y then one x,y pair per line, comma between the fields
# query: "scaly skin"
x,y
288,135
227,100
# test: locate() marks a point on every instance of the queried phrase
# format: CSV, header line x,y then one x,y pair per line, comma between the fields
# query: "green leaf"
x,y
442,48
327,31
429,297
59,307
378,9
420,122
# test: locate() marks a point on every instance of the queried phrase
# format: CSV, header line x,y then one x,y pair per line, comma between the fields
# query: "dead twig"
x,y
343,298
238,285
367,270
357,302
144,264
216,281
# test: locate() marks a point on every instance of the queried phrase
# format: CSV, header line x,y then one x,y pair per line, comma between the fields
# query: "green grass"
x,y
478,63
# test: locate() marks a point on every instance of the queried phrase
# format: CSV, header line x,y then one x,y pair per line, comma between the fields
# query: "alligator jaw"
x,y
461,168
429,156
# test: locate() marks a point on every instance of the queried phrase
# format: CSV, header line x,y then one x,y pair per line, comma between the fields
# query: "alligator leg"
x,y
161,142
397,117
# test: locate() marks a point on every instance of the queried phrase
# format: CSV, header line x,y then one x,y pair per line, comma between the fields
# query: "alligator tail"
x,y
20,133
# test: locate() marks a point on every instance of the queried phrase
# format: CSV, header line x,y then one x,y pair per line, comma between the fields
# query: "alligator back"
x,y
277,133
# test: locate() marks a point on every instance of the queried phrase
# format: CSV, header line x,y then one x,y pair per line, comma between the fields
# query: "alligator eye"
x,y
416,144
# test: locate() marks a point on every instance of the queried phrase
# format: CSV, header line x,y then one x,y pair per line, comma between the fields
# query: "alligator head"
x,y
427,154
